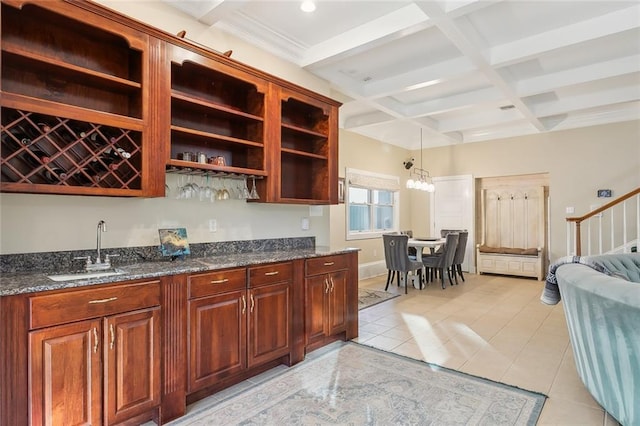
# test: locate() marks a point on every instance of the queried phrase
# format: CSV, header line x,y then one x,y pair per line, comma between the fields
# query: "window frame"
x,y
371,234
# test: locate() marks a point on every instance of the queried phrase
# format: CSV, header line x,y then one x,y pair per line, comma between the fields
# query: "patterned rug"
x,y
368,297
348,383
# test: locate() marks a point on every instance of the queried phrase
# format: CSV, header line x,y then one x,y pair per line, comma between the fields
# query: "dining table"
x,y
421,243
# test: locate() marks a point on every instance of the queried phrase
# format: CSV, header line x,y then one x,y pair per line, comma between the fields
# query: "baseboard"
x,y
372,269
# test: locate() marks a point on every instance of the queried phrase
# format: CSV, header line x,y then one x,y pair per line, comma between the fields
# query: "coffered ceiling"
x,y
463,70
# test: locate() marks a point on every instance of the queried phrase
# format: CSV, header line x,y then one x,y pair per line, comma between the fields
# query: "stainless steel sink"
x,y
84,275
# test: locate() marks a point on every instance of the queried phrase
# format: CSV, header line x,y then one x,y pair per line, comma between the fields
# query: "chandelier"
x,y
418,177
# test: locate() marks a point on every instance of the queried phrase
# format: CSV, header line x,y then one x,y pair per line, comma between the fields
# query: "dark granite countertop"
x,y
29,282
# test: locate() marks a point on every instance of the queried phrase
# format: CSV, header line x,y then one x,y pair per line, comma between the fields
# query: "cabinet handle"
x,y
271,273
224,280
244,304
253,303
110,299
329,263
112,335
95,340
326,285
331,279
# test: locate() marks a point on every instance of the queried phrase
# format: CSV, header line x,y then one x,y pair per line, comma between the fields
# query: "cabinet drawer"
x,y
77,305
201,285
322,265
269,274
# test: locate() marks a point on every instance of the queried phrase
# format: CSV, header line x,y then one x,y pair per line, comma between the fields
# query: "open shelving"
x,y
218,115
73,88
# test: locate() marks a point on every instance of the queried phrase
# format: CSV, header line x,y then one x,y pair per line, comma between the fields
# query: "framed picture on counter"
x,y
173,242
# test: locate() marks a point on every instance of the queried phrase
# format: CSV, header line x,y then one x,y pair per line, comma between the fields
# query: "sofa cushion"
x,y
625,266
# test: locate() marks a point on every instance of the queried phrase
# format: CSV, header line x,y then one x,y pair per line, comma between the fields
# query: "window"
x,y
372,204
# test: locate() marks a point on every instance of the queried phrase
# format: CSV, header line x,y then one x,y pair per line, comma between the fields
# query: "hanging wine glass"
x,y
245,194
253,195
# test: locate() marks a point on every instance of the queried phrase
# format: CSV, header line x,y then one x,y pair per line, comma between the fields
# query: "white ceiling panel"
x,y
449,66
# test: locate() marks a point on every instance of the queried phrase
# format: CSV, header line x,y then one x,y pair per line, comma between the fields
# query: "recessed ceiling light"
x,y
308,6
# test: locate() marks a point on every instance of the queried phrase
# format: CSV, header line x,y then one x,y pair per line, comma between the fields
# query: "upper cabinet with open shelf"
x,y
69,75
218,114
306,154
81,69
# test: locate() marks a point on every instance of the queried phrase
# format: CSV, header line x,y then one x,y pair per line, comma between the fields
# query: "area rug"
x,y
367,298
358,385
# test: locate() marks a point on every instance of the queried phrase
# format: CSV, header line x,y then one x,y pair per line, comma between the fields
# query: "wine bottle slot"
x,y
56,174
19,135
117,152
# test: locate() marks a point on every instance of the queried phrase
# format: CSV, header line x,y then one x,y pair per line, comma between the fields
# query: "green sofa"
x,y
603,315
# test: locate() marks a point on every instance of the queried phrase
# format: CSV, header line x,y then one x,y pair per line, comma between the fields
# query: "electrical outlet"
x,y
305,224
375,253
213,225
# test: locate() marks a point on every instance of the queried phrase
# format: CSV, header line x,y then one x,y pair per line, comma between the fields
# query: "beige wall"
x,y
363,153
34,223
578,163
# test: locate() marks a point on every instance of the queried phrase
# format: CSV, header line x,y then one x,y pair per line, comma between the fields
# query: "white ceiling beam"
x,y
454,102
369,119
590,29
418,78
467,48
223,10
489,118
400,23
587,101
579,75
456,8
615,114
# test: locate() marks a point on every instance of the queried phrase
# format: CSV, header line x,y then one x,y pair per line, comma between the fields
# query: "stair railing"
x,y
618,212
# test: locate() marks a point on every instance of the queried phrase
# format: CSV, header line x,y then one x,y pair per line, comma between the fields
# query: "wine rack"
x,y
51,150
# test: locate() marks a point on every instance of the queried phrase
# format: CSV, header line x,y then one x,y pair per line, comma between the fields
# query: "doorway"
x,y
452,207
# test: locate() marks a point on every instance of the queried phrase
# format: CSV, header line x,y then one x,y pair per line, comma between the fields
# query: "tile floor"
x,y
489,326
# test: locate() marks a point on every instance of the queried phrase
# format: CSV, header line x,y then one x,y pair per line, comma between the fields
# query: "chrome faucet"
x,y
99,264
102,227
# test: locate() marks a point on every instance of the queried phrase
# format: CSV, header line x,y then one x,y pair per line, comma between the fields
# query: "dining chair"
x,y
443,261
412,250
458,258
396,255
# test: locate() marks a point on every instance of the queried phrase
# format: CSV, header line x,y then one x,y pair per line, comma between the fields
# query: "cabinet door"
x,y
218,336
269,323
337,318
66,375
132,364
316,289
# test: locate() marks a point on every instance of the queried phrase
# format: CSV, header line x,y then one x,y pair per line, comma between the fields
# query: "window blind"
x,y
372,180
